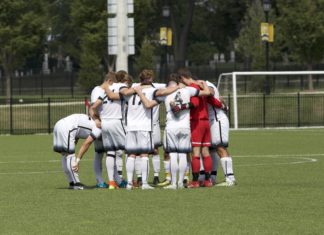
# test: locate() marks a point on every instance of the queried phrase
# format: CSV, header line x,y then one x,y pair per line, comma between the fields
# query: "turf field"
x,y
280,191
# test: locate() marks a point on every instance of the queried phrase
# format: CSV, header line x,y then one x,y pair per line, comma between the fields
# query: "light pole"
x,y
164,41
266,9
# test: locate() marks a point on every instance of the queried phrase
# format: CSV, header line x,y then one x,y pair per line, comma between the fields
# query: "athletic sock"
x,y
74,175
119,162
187,172
97,167
110,164
167,170
138,166
195,166
117,177
65,169
227,166
182,166
174,167
207,166
214,157
145,169
156,164
130,165
202,171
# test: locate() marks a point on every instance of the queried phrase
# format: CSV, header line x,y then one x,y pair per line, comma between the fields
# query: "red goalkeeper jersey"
x,y
200,110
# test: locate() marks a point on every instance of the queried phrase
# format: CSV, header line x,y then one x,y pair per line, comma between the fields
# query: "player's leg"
x,y
70,162
130,165
196,140
156,166
119,162
110,164
214,156
174,166
202,176
146,146
138,171
182,169
66,171
225,158
206,143
97,163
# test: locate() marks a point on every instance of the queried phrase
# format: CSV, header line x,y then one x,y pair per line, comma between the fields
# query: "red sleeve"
x,y
195,101
214,102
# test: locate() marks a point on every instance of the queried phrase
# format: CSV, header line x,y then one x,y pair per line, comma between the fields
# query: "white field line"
x,y
302,158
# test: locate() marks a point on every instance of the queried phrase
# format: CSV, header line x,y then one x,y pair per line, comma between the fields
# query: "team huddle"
x,y
124,118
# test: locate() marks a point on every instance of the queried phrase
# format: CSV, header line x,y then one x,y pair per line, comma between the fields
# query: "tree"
x,y
249,43
144,59
302,25
22,29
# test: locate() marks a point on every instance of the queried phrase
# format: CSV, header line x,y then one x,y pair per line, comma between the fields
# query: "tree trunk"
x,y
181,35
7,75
310,78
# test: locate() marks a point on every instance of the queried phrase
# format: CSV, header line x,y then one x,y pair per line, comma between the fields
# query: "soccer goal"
x,y
290,103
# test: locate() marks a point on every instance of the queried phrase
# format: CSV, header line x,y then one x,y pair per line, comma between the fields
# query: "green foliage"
x,y
301,24
201,53
249,43
22,29
145,59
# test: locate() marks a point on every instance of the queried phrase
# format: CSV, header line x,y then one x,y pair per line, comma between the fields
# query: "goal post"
x,y
234,76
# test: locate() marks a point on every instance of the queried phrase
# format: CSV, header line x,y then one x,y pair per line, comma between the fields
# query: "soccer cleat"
x,y
208,183
181,186
156,180
227,184
129,187
71,184
78,186
194,184
146,186
185,183
201,183
123,184
166,182
113,185
171,186
102,185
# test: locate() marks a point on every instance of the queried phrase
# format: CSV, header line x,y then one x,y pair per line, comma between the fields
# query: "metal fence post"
x,y
49,115
264,110
229,108
11,116
298,109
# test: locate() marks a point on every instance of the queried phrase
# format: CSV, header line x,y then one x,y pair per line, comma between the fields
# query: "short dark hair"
x,y
174,77
110,76
184,72
120,75
146,76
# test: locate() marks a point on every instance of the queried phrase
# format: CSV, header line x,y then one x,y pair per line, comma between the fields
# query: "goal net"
x,y
274,99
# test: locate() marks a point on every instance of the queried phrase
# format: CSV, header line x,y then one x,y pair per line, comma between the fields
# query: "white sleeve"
x,y
159,85
192,91
95,133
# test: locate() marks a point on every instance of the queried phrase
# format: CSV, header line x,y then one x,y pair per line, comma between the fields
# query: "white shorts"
x,y
157,135
113,134
219,131
139,142
177,140
64,139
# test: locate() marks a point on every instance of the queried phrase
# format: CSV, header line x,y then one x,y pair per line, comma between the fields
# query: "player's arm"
x,y
205,90
215,102
112,95
93,112
83,149
125,91
167,91
145,101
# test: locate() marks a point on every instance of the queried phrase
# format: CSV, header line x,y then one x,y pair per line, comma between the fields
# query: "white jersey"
x,y
81,125
181,119
139,118
96,93
156,109
213,112
112,109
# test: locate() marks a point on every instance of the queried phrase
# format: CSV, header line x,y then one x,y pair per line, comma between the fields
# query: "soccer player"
x,y
219,126
177,136
139,126
200,131
67,131
113,131
96,93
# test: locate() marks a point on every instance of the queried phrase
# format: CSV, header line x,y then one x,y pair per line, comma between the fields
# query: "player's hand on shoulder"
x,y
181,85
138,88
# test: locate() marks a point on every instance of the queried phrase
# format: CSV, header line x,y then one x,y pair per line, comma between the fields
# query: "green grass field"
x,y
280,191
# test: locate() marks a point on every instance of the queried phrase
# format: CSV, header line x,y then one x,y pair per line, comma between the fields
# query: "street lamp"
x,y
266,9
164,31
